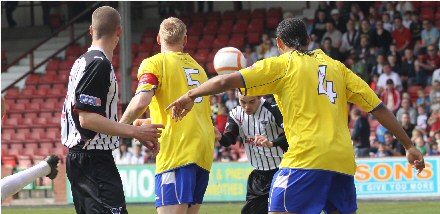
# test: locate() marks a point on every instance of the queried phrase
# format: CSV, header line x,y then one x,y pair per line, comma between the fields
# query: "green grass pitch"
x,y
398,207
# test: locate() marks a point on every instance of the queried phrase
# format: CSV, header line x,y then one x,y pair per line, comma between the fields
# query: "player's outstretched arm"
x,y
216,85
100,124
137,106
389,121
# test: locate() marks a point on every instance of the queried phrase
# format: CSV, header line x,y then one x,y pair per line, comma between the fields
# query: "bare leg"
x,y
194,209
173,209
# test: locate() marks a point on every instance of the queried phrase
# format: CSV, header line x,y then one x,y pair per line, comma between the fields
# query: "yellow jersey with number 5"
x,y
191,140
312,91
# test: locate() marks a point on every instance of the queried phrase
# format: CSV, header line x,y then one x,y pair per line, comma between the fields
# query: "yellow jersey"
x,y
312,91
191,140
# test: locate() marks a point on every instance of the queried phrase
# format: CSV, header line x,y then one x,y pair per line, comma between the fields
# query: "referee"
x,y
260,126
89,122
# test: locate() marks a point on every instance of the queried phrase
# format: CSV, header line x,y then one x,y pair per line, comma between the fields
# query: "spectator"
x,y
314,43
356,11
389,74
360,134
343,9
387,24
434,149
434,122
415,27
350,39
358,67
226,155
363,50
393,146
330,50
323,6
222,119
334,34
393,51
380,62
425,65
383,151
373,12
430,34
250,55
10,7
215,106
309,25
422,99
319,27
338,21
392,60
404,7
272,51
365,28
421,145
373,84
391,96
138,155
389,9
123,156
408,109
369,56
380,133
232,101
436,75
407,20
435,91
381,38
408,70
288,15
408,127
422,117
401,35
263,47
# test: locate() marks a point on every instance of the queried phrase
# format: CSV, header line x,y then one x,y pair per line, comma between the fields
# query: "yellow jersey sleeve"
x,y
359,92
264,77
149,75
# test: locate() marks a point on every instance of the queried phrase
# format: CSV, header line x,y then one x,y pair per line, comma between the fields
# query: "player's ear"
x,y
185,40
158,39
308,40
280,43
91,31
119,31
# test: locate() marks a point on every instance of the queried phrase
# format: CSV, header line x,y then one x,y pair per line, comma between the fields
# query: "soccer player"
x,y
312,91
260,124
13,183
89,126
186,148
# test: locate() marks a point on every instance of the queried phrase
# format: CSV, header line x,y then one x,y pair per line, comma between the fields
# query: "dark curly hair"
x,y
293,32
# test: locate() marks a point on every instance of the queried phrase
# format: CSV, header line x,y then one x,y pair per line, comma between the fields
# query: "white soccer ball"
x,y
228,60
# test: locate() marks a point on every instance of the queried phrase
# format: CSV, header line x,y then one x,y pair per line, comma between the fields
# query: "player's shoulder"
x,y
96,59
236,112
271,106
157,58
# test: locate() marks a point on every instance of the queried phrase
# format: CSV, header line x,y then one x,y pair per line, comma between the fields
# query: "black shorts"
x,y
95,182
258,188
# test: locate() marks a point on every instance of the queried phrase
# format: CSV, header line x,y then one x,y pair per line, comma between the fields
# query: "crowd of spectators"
x,y
390,47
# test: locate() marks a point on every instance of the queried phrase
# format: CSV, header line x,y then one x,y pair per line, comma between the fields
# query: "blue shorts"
x,y
312,191
183,185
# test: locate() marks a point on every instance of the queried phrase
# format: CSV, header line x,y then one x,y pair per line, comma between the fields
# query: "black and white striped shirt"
x,y
267,121
93,88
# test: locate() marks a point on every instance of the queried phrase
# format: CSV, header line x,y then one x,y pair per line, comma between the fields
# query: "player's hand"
x,y
181,107
261,140
415,158
140,122
148,134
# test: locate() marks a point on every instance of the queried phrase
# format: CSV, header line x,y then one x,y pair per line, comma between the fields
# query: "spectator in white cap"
x,y
338,20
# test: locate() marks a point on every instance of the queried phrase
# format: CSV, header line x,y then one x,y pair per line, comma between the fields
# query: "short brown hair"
x,y
172,30
105,21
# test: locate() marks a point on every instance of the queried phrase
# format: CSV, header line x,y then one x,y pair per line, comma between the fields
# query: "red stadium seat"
x,y
254,38
67,64
225,27
40,122
33,145
192,42
201,56
210,68
229,14
9,161
15,115
205,43
240,27
53,65
6,137
10,123
33,79
24,161
258,13
243,15
276,12
12,93
27,93
428,4
32,115
210,28
256,26
427,13
44,151
220,43
272,22
33,107
41,92
26,123
237,42
213,16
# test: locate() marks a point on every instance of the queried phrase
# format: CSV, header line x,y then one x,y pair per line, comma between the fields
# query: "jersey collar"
x,y
94,48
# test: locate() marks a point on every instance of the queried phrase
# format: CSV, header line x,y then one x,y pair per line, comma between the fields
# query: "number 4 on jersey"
x,y
329,89
192,82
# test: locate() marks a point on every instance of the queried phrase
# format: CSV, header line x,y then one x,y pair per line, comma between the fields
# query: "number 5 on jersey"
x,y
329,90
192,82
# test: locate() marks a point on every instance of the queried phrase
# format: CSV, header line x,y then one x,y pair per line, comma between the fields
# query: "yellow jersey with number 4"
x,y
312,91
191,140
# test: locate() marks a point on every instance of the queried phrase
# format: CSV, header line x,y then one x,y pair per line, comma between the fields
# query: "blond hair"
x,y
172,30
105,21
